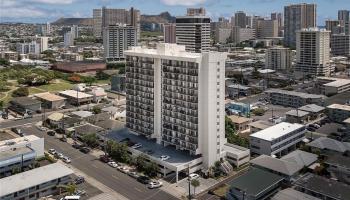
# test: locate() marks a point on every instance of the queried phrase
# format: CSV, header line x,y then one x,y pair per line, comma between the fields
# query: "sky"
x,y
41,11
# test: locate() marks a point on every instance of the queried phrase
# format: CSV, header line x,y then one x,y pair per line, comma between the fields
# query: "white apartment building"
x,y
222,35
278,58
277,140
331,86
43,43
177,98
117,39
242,34
193,32
267,28
313,49
28,48
340,45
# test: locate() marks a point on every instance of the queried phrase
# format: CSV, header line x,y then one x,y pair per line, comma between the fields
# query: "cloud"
x,y
52,1
183,2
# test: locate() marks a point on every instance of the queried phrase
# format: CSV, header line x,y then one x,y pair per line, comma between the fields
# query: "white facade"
x,y
117,39
177,98
43,43
222,35
242,34
277,139
28,48
278,58
313,49
193,32
68,39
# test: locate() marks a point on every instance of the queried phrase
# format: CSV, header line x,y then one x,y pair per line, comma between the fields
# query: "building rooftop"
x,y
260,124
297,113
239,120
238,86
330,144
82,113
339,160
335,82
235,148
177,157
339,107
87,129
293,93
312,108
25,101
347,121
75,94
291,194
19,140
302,158
9,153
276,131
32,178
278,165
255,181
326,187
49,97
56,116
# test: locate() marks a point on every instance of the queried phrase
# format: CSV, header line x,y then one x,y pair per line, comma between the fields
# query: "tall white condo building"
x,y
177,98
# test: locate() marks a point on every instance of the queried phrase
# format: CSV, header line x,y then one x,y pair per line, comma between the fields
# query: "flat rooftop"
x,y
297,113
335,82
324,186
291,194
32,178
9,153
238,86
313,108
276,131
238,119
255,181
339,107
19,140
260,124
177,157
293,93
75,94
49,97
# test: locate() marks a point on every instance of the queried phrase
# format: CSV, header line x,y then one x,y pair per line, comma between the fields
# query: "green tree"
x,y
21,92
195,183
90,139
89,80
118,151
96,109
88,54
4,62
258,111
141,161
151,169
70,188
100,75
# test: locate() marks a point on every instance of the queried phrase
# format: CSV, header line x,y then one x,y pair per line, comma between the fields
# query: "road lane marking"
x,y
137,189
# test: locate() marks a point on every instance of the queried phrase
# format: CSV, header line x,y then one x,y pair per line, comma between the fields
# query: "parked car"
x,y
80,192
51,133
143,179
136,146
76,145
79,180
310,129
164,157
123,169
63,139
17,131
133,174
104,158
52,151
66,159
154,184
113,164
85,150
193,176
59,155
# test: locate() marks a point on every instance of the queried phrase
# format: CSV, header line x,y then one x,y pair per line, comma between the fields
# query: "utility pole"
x,y
189,182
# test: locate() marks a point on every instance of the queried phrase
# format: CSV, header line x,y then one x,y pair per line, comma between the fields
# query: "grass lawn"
x,y
55,87
34,90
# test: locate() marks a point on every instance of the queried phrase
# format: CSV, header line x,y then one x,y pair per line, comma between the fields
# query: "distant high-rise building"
x,y
75,31
334,26
241,19
28,48
104,17
313,49
340,45
280,21
278,58
97,22
68,39
193,31
239,34
297,17
48,28
169,33
196,12
43,43
182,103
222,35
117,39
233,23
343,16
267,28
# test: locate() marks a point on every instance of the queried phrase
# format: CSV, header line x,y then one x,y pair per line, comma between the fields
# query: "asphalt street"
x,y
105,174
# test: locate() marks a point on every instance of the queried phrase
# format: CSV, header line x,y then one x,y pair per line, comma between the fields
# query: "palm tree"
x,y
70,188
195,183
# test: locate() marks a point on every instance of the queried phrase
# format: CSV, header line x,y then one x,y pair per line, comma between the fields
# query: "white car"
x,y
66,159
136,146
164,157
154,184
52,151
113,164
193,176
59,155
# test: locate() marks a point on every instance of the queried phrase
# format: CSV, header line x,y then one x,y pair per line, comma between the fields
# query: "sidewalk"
x,y
97,184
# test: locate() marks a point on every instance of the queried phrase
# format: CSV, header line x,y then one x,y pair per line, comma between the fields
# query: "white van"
x,y
70,198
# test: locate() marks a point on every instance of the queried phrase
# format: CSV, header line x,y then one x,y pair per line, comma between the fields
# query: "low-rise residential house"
x,y
80,131
23,105
75,97
51,101
291,194
237,90
322,188
255,184
315,111
98,94
338,166
297,116
259,126
236,155
327,144
241,123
